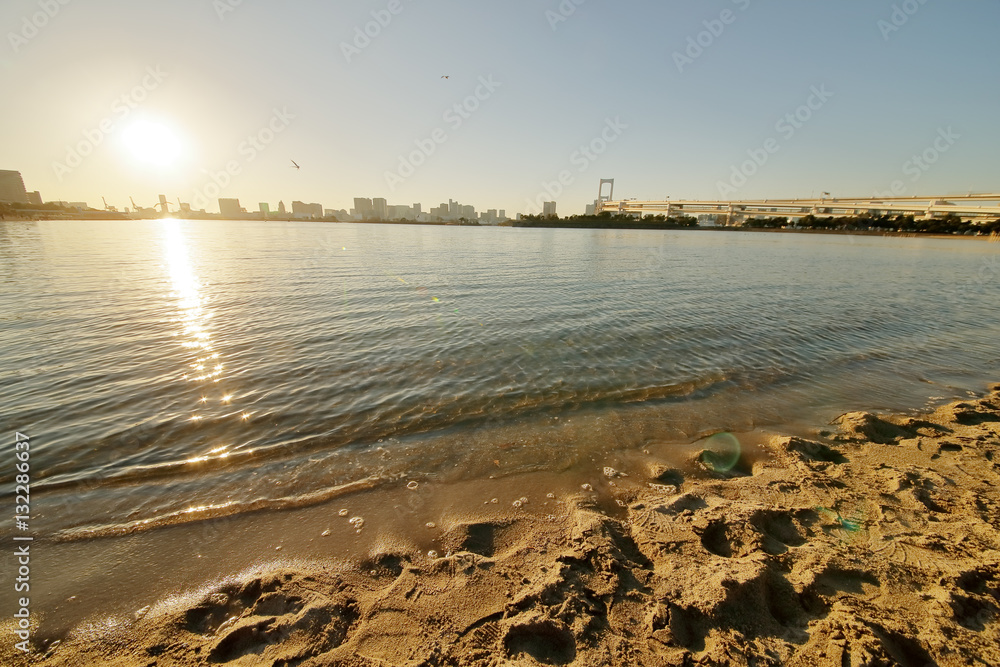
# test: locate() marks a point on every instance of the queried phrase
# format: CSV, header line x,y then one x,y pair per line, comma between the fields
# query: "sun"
x,y
151,142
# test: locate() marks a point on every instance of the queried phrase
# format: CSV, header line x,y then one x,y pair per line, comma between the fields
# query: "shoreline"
x,y
875,543
835,232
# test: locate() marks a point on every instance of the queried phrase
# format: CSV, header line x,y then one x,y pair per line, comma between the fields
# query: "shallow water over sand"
x,y
175,372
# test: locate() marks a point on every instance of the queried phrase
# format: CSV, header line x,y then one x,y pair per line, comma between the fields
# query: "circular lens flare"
x,y
722,452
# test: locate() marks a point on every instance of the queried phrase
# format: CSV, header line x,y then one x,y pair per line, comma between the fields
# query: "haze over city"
x,y
489,104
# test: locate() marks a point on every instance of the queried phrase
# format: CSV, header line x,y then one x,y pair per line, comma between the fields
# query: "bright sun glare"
x,y
152,142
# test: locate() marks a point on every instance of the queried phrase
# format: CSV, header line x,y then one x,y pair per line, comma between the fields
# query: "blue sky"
x,y
228,70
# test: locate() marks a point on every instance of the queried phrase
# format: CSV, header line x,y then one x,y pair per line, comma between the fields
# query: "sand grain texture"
x,y
878,546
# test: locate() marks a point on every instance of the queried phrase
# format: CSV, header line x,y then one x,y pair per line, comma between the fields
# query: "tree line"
x,y
606,220
949,224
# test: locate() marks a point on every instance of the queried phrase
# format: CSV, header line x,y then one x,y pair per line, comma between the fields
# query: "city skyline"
x,y
14,190
540,101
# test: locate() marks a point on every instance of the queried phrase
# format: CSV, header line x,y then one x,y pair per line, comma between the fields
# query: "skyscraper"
x,y
549,208
363,207
12,187
380,209
303,210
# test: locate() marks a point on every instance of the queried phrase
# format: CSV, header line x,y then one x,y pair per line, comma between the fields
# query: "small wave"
x,y
212,512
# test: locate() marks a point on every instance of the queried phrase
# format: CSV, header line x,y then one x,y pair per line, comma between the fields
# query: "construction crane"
x,y
113,209
136,209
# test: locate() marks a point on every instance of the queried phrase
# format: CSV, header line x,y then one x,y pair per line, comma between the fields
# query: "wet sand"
x,y
873,542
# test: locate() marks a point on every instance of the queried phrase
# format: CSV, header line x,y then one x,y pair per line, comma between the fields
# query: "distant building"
x,y
503,214
363,209
12,187
185,208
443,212
265,208
549,208
229,208
417,210
380,209
400,213
35,198
303,210
281,207
590,209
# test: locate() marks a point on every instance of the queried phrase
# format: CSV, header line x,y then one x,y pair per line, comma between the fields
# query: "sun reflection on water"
x,y
193,321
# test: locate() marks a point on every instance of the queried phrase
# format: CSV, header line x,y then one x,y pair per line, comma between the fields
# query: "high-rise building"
x,y
35,198
265,208
303,210
380,209
229,208
363,208
281,207
12,187
468,212
549,208
590,209
416,210
400,213
454,209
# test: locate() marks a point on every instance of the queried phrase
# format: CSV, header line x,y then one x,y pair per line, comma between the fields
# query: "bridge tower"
x,y
601,197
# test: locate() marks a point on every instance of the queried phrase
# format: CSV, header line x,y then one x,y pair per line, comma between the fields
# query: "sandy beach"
x,y
876,543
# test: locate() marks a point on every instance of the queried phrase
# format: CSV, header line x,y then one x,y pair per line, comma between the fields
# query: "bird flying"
x,y
445,77
295,165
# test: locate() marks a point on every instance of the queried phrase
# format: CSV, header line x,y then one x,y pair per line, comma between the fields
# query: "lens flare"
x,y
722,452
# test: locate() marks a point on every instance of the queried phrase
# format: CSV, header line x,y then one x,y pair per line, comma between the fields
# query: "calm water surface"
x,y
170,371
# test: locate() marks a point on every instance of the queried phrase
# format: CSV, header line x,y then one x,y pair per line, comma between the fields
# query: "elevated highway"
x,y
974,207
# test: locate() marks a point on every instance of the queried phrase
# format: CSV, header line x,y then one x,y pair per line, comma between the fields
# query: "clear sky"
x,y
887,79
